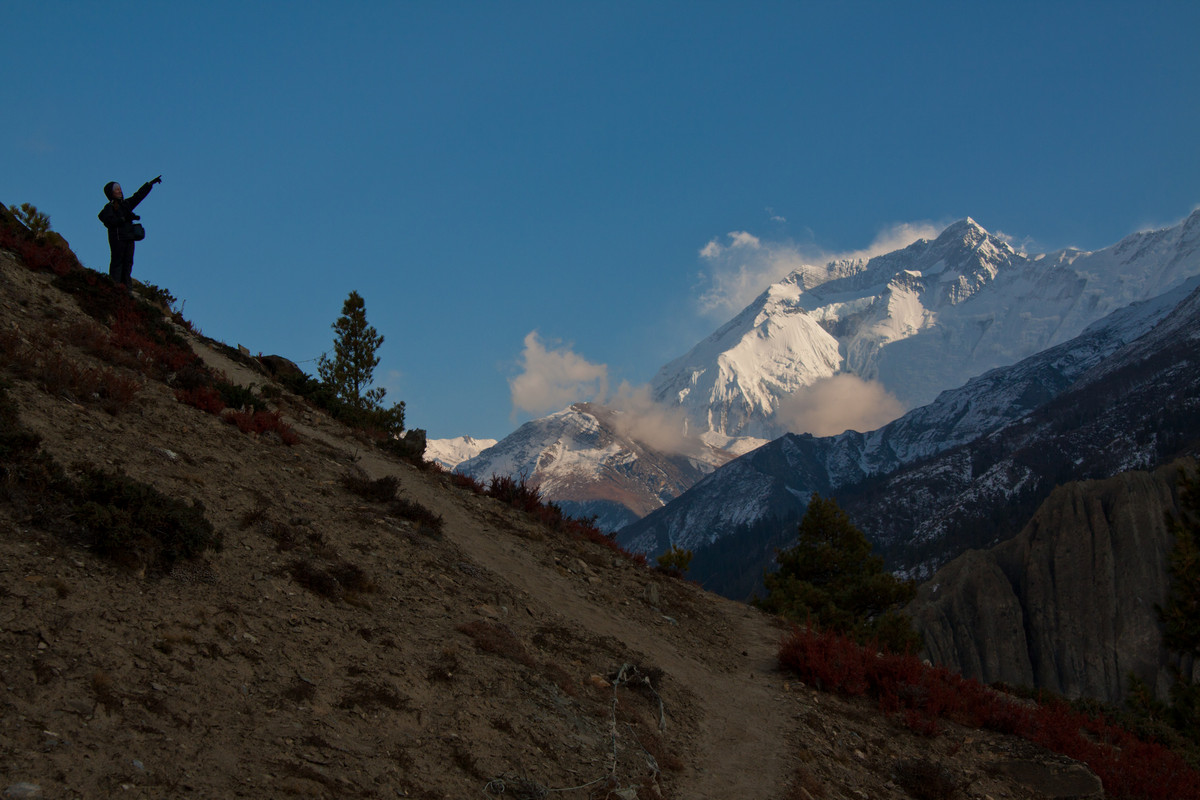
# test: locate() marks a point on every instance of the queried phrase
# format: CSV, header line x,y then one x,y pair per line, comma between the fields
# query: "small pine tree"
x,y
830,579
28,215
350,372
675,561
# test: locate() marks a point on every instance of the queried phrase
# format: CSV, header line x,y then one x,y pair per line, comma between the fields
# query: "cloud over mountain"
x,y
554,377
839,403
739,266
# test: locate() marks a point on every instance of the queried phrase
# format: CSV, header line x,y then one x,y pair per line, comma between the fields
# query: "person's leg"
x,y
127,267
116,263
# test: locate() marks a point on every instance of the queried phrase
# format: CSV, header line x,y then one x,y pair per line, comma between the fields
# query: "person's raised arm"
x,y
141,193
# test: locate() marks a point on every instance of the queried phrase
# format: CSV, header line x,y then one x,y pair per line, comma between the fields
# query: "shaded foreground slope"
x,y
466,662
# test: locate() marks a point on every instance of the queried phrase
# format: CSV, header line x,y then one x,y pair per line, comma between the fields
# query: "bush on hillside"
x,y
40,249
29,479
137,330
114,516
134,524
261,422
379,490
55,372
521,495
35,221
426,521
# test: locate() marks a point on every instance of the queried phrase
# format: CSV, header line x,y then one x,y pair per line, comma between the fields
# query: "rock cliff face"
x,y
1069,604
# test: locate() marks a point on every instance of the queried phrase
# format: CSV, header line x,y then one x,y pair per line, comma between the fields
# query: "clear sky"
x,y
484,171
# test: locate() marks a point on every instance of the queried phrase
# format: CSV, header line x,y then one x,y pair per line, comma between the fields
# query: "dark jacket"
x,y
119,213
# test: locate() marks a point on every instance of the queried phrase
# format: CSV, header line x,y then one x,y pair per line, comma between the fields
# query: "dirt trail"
x,y
736,696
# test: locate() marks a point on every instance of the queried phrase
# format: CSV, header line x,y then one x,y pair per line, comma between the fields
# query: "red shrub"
x,y
466,482
1129,768
287,434
205,398
116,390
130,333
586,529
516,493
830,662
47,254
262,422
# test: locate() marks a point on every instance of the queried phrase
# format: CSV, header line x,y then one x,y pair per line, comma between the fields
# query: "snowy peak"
x,y
916,321
949,269
449,453
820,321
966,233
595,460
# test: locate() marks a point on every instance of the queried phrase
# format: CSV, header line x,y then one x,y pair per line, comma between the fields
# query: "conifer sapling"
x,y
349,373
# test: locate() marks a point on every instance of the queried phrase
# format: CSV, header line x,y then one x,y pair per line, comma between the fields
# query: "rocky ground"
x,y
492,658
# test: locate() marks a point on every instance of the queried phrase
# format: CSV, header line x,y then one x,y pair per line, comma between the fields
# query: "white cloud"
x,y
839,403
743,239
645,421
894,237
741,266
553,378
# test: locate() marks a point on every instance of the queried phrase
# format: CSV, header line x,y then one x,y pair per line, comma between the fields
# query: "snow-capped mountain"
x,y
451,452
957,473
918,320
587,459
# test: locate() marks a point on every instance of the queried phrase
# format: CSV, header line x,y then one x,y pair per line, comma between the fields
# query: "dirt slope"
x,y
492,659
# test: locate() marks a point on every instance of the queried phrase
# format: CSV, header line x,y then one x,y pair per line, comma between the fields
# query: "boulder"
x,y
281,368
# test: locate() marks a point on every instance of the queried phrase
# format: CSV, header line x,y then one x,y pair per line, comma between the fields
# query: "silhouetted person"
x,y
118,217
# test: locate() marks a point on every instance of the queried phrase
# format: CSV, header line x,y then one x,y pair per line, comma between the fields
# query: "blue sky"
x,y
484,171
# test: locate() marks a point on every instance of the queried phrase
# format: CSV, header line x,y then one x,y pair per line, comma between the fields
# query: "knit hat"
x,y
108,189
